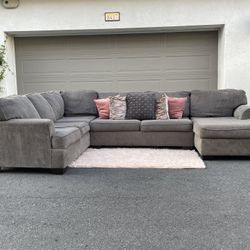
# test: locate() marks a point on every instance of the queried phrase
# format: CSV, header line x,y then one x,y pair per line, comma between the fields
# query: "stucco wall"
x,y
82,15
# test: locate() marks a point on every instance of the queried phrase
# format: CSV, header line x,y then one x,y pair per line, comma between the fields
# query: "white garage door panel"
x,y
175,61
96,65
133,63
43,66
187,62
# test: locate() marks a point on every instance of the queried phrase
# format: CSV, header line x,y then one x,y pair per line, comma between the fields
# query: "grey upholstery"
x,y
216,103
102,95
222,147
63,137
85,118
26,143
242,112
142,139
61,158
17,107
42,106
30,142
83,126
79,102
222,127
114,125
55,100
167,125
47,144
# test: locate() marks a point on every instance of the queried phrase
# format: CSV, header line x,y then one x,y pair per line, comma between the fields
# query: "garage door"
x,y
173,61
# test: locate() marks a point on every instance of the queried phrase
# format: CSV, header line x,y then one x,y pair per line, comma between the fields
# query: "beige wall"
x,y
62,17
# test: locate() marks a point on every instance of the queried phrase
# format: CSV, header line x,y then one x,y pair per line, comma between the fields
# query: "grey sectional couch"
x,y
50,130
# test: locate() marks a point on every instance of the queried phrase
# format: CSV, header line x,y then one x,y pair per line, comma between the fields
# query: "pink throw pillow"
x,y
176,106
102,106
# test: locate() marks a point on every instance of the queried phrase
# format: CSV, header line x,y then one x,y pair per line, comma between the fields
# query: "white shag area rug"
x,y
138,158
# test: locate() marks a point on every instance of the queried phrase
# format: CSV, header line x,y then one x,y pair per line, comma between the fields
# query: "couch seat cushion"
x,y
221,127
83,126
17,107
64,137
86,118
55,100
42,106
184,124
114,125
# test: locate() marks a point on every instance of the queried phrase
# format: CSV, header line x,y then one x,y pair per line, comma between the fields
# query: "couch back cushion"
x,y
216,103
55,100
17,107
42,106
80,102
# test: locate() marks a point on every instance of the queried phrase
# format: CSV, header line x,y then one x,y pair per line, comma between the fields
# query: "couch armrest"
x,y
242,112
26,143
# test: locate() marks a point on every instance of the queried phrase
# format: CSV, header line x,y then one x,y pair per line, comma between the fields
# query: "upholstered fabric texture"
x,y
115,125
19,107
80,102
63,137
118,107
54,98
222,147
61,158
26,143
176,106
221,127
83,126
242,112
184,124
78,118
216,103
141,106
102,106
161,108
141,138
42,106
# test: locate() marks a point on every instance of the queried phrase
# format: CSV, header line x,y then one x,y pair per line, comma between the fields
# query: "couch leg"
x,y
58,171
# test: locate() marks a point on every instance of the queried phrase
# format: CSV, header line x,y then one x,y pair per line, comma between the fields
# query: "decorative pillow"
x,y
42,106
117,107
80,102
176,107
161,112
55,100
102,106
17,107
140,106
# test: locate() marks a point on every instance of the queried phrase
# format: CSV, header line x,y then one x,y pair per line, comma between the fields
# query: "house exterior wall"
x,y
63,17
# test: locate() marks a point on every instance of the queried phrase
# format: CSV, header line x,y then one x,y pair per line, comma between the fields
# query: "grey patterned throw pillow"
x,y
117,107
162,108
140,106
